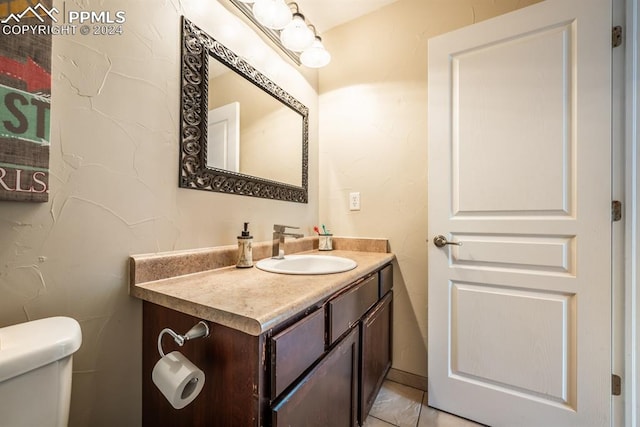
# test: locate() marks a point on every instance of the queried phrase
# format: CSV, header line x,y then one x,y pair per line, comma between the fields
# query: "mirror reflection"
x,y
250,131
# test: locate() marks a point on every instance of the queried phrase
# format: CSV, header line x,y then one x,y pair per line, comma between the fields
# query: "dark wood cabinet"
x,y
375,352
294,350
234,391
322,367
345,309
327,395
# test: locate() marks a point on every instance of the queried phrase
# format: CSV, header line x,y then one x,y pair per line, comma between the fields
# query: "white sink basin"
x,y
307,264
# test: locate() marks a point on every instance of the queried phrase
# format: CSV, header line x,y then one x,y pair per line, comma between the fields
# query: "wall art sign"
x,y
25,99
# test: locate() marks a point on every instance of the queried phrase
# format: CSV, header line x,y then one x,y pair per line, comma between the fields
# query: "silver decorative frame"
x,y
197,46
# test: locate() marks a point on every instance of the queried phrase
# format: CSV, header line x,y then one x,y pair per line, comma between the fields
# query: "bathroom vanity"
x,y
284,350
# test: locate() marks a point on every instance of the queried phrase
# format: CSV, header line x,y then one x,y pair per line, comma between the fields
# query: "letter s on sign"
x,y
36,175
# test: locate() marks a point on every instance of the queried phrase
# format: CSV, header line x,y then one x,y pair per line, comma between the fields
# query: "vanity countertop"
x,y
249,299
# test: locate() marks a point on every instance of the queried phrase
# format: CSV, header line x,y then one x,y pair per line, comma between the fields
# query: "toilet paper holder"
x,y
200,330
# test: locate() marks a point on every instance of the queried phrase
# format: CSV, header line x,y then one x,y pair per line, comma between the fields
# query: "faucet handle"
x,y
280,228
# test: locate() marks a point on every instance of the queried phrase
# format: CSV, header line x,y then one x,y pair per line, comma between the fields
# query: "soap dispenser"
x,y
245,254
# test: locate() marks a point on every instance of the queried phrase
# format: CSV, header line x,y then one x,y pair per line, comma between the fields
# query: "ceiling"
x,y
326,14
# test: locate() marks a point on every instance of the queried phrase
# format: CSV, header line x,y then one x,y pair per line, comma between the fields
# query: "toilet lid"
x,y
30,345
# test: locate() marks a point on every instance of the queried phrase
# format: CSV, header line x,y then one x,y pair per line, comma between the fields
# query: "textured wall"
x,y
114,191
373,128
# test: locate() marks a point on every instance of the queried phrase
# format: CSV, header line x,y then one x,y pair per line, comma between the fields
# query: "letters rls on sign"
x,y
12,180
25,104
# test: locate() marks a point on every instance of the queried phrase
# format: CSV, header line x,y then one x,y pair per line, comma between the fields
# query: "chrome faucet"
x,y
278,239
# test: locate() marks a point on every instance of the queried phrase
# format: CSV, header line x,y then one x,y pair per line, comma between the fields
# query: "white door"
x,y
520,174
223,150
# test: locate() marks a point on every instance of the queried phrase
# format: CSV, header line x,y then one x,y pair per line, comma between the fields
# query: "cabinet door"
x,y
375,352
327,395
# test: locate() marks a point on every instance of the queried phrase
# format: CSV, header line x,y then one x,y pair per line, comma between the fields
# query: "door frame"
x,y
632,213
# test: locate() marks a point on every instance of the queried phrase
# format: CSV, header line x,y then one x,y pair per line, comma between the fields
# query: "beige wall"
x,y
373,132
114,192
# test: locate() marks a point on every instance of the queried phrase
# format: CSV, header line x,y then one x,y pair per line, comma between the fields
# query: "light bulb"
x,y
297,36
315,56
274,14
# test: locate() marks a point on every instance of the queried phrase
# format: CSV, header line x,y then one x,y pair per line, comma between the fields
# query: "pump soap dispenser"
x,y
245,254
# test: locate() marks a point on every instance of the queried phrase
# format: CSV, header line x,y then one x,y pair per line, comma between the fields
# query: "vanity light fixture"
x,y
288,28
315,56
274,14
297,36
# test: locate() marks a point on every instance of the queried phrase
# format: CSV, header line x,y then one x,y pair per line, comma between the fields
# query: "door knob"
x,y
441,241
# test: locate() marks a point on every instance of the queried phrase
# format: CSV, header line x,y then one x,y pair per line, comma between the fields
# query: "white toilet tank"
x,y
35,372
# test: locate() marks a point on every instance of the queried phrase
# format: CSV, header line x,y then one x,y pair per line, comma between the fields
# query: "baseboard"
x,y
407,378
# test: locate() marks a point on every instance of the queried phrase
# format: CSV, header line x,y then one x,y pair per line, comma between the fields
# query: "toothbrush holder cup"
x,y
325,242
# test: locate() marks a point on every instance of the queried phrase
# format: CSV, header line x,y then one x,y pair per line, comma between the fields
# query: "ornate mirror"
x,y
240,132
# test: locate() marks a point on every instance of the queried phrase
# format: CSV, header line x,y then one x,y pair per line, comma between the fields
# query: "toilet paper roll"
x,y
179,380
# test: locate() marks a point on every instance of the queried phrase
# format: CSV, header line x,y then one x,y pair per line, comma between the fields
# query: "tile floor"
x,y
403,406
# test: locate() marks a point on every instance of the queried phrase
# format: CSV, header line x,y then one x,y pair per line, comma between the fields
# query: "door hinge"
x,y
616,385
616,36
616,210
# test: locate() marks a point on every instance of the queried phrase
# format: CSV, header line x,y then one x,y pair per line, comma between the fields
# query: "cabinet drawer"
x,y
346,309
295,349
386,280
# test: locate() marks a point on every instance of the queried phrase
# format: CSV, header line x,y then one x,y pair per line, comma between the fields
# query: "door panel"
x,y
517,325
501,90
550,255
520,174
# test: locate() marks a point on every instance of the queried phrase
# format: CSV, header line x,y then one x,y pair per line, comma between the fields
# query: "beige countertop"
x,y
249,299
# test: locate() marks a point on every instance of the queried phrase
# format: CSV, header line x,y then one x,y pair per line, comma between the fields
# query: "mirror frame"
x,y
197,48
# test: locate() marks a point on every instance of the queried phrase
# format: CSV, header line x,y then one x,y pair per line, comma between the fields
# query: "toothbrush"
x,y
324,229
316,229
